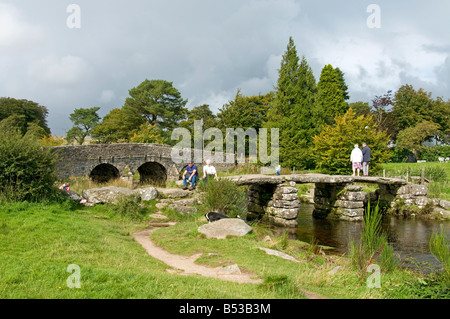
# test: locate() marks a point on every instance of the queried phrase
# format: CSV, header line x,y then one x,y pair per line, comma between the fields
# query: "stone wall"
x,y
277,204
342,201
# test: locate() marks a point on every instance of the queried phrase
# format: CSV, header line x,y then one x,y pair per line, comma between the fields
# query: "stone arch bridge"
x,y
102,162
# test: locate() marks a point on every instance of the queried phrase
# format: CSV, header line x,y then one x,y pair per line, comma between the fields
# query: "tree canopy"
x,y
84,120
158,102
292,109
22,113
333,146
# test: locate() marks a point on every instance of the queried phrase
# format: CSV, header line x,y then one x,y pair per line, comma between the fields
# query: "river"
x,y
409,236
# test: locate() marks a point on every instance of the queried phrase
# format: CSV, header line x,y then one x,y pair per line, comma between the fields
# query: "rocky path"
x,y
186,264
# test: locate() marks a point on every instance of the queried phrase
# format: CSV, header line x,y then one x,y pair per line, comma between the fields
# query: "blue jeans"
x,y
186,180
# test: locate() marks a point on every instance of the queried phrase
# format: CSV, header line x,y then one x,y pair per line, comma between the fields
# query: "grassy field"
x,y
39,241
437,173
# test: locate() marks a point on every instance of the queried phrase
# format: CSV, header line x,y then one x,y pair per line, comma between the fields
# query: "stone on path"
x,y
224,227
278,254
230,270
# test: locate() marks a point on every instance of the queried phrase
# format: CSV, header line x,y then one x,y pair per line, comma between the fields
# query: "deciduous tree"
x,y
333,146
84,120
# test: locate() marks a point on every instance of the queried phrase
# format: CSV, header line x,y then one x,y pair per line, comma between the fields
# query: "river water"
x,y
409,236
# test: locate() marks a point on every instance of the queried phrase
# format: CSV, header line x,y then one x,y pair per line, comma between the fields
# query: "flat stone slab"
x,y
224,227
341,179
259,179
278,254
255,179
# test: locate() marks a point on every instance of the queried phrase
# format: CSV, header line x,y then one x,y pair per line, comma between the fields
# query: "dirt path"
x,y
186,264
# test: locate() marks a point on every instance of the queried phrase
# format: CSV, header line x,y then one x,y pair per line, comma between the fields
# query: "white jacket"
x,y
357,155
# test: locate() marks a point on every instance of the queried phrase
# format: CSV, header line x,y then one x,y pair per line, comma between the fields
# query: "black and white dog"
x,y
212,216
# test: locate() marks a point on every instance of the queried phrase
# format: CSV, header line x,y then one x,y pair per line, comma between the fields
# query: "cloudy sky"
x,y
210,48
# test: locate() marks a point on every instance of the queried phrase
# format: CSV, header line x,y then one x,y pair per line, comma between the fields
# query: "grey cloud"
x,y
209,49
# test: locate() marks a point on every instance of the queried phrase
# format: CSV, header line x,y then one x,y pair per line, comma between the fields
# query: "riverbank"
x,y
40,241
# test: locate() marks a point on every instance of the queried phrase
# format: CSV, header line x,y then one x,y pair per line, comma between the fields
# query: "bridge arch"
x,y
103,173
152,173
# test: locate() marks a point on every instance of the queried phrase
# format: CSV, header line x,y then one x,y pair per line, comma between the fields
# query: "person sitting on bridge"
x,y
209,171
190,175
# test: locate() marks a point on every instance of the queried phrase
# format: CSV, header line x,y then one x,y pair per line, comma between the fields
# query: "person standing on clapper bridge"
x,y
366,159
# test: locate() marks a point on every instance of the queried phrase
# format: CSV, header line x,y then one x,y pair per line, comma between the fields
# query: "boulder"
x,y
72,195
224,227
278,254
108,194
445,204
230,270
147,194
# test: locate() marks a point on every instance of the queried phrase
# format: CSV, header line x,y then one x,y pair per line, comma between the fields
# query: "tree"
x,y
382,113
201,112
245,111
292,109
412,138
158,103
28,111
84,120
331,97
412,107
149,134
360,108
119,125
332,147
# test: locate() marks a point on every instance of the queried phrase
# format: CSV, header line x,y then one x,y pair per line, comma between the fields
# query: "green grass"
x,y
39,241
439,173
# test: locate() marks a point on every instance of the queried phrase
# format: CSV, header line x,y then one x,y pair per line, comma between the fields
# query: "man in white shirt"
x,y
209,171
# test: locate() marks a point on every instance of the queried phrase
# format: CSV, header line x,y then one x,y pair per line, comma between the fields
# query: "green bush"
x,y
26,168
223,196
432,153
129,206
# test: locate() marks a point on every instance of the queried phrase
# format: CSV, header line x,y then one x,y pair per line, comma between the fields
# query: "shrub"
x,y
432,153
26,168
223,196
129,206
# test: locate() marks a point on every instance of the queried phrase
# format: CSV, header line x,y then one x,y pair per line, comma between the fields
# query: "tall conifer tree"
x,y
331,97
292,109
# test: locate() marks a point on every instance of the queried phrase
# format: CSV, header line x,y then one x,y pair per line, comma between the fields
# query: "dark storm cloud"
x,y
209,49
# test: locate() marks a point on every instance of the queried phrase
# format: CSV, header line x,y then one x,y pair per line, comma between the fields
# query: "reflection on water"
x,y
409,237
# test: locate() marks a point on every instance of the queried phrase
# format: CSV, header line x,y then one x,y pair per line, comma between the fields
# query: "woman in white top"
x,y
356,158
209,170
